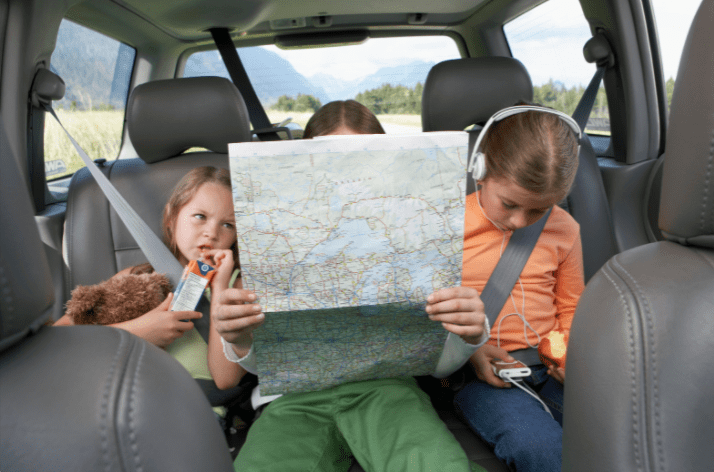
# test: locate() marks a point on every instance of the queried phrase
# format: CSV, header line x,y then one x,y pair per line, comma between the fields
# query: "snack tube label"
x,y
194,280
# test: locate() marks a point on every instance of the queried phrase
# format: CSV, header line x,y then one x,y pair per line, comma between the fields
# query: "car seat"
x,y
84,398
462,92
164,119
640,376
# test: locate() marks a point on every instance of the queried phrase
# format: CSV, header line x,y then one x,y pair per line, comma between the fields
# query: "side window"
x,y
549,41
97,72
673,21
385,74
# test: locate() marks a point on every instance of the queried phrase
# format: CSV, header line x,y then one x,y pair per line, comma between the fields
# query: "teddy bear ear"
x,y
164,284
85,299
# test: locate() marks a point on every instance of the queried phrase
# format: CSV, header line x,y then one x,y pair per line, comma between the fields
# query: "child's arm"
x,y
460,311
158,326
569,285
224,301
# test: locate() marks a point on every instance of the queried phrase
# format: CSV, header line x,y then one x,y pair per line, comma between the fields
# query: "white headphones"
x,y
477,164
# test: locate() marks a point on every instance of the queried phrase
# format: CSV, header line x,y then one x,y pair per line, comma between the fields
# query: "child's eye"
x,y
508,206
199,216
229,225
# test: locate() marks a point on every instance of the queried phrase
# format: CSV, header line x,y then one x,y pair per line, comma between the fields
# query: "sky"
x,y
548,40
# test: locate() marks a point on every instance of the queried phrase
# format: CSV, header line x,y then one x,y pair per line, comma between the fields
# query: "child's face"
x,y
511,206
206,221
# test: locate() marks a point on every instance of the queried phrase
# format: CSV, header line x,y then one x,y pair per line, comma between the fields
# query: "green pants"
x,y
387,424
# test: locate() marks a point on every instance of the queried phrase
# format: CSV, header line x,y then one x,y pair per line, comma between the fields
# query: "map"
x,y
342,239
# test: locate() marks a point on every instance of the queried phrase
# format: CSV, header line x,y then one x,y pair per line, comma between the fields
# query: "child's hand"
x,y
460,311
235,316
558,373
483,359
161,326
222,261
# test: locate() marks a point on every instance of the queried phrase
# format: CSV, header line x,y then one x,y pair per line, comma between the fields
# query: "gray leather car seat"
x,y
164,119
84,398
463,92
640,370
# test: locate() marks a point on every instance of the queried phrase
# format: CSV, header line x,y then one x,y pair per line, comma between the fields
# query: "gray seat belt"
x,y
159,256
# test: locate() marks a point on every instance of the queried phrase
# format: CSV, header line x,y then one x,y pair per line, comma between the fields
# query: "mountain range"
x,y
96,70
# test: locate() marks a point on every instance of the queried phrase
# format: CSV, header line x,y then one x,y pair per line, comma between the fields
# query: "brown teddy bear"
x,y
121,298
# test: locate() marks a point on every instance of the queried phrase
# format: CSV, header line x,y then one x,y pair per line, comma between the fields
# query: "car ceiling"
x,y
188,21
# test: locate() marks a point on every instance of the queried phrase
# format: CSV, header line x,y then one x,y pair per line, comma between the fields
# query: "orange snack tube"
x,y
553,348
194,280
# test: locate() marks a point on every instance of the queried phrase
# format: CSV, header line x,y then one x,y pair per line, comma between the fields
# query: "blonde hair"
x,y
536,150
183,193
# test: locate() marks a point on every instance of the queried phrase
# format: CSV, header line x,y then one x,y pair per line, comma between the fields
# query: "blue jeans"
x,y
523,434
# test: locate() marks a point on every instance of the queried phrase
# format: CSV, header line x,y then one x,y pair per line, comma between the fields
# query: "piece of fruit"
x,y
553,348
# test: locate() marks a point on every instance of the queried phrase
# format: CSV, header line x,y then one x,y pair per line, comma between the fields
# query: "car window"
x,y
673,20
385,74
549,40
96,70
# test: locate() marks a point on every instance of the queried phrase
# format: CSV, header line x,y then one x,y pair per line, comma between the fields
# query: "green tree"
x,y
392,99
284,103
669,86
307,103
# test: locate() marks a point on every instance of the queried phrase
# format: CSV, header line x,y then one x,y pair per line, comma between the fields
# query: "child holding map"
x,y
342,117
531,157
387,424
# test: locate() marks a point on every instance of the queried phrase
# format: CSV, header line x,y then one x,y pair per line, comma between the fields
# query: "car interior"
x,y
97,398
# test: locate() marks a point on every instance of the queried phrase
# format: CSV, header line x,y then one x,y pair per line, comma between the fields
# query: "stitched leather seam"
x,y
633,379
132,412
655,373
706,200
104,411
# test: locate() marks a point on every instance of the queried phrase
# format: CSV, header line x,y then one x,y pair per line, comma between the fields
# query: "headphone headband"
x,y
477,163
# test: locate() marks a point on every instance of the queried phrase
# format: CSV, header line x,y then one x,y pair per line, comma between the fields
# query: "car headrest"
x,y
463,92
687,202
26,291
167,117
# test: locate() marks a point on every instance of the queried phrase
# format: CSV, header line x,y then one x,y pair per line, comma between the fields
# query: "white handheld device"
x,y
511,371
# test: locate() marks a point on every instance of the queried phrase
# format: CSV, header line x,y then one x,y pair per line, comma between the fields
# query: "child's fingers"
x,y
237,296
187,315
455,305
472,333
452,292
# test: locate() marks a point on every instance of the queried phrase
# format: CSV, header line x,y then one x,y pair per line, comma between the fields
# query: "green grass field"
x,y
99,133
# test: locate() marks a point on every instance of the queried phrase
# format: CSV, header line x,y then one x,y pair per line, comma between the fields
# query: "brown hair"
x,y
183,193
348,113
536,150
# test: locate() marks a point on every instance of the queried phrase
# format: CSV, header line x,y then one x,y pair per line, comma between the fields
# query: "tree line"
x,y
399,99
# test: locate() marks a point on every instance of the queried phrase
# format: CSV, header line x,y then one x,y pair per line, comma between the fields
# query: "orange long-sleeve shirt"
x,y
552,279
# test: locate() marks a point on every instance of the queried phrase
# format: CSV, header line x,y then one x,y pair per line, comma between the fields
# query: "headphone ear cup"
x,y
479,166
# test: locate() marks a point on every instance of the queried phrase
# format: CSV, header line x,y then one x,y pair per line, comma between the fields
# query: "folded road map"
x,y
342,239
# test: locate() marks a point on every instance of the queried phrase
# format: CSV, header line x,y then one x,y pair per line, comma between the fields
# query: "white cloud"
x,y
359,61
548,40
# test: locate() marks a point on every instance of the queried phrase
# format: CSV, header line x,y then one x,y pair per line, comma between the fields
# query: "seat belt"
x,y
261,124
163,261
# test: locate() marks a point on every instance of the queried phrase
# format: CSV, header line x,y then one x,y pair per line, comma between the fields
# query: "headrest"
x,y
687,202
26,290
167,117
464,92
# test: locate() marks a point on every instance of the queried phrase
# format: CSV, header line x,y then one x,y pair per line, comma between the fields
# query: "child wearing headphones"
x,y
524,163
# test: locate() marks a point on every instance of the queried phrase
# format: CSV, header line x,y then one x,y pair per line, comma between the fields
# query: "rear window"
x,y
549,41
96,70
385,74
